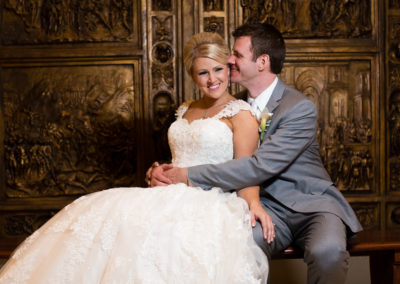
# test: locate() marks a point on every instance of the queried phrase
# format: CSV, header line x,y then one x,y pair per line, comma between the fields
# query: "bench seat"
x,y
382,247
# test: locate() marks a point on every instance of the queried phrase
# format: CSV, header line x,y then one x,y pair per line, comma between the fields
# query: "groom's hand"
x,y
257,212
177,175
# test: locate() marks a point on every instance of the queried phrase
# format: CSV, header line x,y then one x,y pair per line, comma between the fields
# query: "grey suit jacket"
x,y
287,165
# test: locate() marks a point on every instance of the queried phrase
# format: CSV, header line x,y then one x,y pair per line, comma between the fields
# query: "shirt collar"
x,y
262,99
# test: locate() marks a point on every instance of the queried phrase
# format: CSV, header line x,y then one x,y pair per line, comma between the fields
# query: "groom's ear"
x,y
263,62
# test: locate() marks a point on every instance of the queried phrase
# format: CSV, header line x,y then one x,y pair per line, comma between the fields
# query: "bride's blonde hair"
x,y
205,44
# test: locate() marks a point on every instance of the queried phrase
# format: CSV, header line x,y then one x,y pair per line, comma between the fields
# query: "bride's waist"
x,y
185,163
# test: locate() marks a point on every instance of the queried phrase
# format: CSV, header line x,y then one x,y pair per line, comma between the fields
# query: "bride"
x,y
166,234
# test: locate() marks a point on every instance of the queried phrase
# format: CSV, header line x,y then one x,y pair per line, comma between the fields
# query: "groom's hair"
x,y
265,39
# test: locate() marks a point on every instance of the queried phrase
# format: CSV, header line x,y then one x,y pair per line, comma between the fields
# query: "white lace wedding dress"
x,y
173,234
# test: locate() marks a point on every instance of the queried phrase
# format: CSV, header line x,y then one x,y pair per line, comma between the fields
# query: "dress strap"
x,y
232,108
182,109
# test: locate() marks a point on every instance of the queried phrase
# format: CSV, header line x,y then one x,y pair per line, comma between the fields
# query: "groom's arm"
x,y
295,132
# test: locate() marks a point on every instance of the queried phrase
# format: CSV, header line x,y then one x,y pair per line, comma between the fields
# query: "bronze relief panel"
x,y
63,21
313,18
393,116
69,129
341,91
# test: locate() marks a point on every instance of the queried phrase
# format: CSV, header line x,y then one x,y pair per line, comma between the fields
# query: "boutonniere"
x,y
265,121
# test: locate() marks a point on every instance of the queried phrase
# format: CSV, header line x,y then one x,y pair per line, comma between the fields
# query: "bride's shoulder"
x,y
183,108
234,107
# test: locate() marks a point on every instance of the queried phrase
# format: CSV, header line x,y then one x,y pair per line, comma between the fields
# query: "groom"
x,y
296,191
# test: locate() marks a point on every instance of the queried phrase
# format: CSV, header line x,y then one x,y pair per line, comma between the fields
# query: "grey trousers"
x,y
322,237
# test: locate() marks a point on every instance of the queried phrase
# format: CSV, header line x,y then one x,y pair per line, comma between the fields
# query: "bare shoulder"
x,y
245,119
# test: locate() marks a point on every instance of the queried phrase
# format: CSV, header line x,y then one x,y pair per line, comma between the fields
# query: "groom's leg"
x,y
283,236
323,238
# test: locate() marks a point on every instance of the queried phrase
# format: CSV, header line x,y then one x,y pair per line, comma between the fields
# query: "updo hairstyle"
x,y
205,44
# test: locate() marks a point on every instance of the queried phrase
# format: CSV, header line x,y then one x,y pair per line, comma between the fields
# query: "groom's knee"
x,y
281,241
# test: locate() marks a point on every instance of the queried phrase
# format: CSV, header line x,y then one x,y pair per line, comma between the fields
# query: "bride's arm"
x,y
245,141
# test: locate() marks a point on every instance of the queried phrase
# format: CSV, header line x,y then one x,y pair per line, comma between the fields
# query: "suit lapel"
x,y
274,101
276,96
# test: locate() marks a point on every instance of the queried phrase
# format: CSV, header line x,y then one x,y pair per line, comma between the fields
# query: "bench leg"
x,y
382,267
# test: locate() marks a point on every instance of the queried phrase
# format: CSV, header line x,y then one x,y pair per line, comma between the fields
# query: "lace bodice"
x,y
203,141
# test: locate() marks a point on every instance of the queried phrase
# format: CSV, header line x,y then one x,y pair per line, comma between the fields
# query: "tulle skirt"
x,y
172,234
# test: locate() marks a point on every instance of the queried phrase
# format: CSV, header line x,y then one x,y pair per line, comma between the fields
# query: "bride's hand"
x,y
150,172
158,176
257,212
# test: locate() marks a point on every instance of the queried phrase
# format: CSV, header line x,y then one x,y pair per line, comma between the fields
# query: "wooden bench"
x,y
382,247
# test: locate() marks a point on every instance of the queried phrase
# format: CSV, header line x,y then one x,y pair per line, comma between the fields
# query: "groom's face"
x,y
243,67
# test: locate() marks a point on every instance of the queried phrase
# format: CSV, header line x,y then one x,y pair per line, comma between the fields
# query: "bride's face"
x,y
210,76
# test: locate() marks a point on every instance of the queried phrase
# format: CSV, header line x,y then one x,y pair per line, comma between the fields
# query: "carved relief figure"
x,y
394,76
350,170
394,38
163,76
368,215
120,15
28,11
162,28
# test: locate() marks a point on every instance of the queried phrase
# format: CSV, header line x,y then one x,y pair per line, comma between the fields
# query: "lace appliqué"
x,y
231,109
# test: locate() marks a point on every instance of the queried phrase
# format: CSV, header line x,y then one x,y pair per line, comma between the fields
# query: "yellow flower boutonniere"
x,y
264,123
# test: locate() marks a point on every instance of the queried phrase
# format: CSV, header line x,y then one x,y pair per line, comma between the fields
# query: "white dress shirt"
x,y
260,102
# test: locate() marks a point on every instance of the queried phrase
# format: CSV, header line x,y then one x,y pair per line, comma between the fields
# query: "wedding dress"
x,y
171,234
